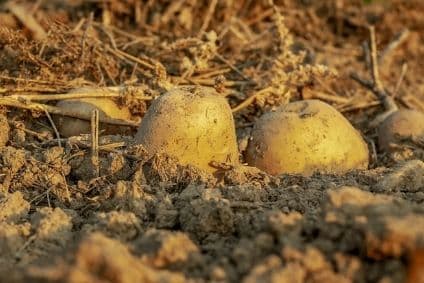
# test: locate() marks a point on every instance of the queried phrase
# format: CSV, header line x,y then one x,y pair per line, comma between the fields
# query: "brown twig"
x,y
374,62
208,17
35,7
109,35
78,26
27,80
132,58
398,40
95,142
329,97
234,68
174,7
332,96
374,156
400,80
259,17
413,102
146,40
211,82
17,125
111,147
251,98
83,142
375,85
26,18
84,35
77,94
54,127
68,194
358,106
367,54
212,73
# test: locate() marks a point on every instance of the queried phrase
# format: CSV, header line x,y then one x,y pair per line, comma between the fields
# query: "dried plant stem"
x,y
210,82
31,90
82,93
22,248
82,142
374,62
413,102
174,7
59,111
376,86
330,97
27,20
234,68
84,35
387,100
132,58
400,80
358,106
95,142
251,98
212,73
398,40
146,40
56,132
4,77
21,127
208,17
111,147
68,194
259,17
35,7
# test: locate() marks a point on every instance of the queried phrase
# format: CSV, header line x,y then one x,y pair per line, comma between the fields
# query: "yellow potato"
x,y
305,137
193,124
68,126
402,124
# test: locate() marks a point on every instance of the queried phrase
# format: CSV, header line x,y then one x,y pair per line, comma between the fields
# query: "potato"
x,y
304,137
193,124
68,126
402,124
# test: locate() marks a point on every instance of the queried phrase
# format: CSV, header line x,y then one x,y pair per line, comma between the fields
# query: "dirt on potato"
x,y
68,215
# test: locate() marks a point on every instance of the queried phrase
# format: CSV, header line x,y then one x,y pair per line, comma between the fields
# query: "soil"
x,y
149,219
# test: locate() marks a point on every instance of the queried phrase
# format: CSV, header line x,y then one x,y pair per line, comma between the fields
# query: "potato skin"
x,y
400,125
193,124
305,137
68,126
